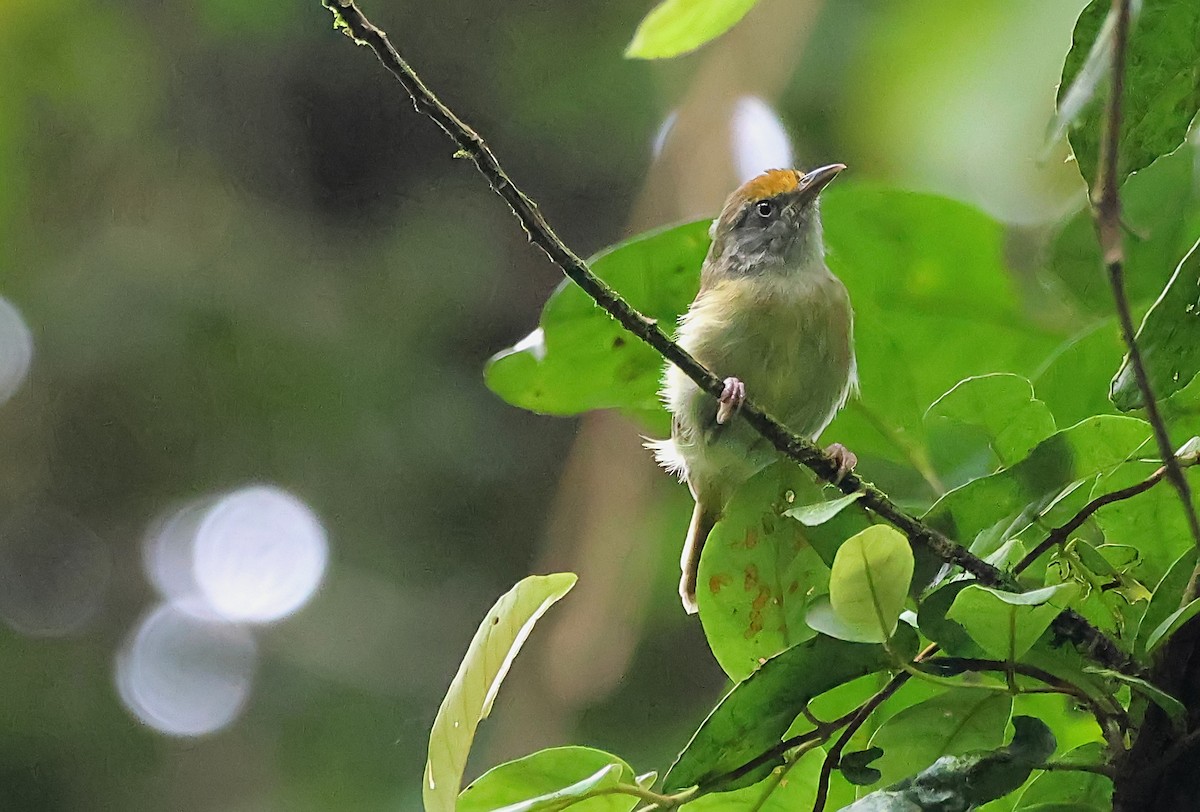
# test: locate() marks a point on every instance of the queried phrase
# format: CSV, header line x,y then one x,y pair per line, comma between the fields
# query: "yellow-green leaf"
x,y
869,582
469,699
675,27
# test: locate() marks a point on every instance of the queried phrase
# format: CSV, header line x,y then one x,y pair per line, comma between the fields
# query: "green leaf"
x,y
1161,203
869,582
856,766
579,357
1090,791
674,27
1152,522
1097,65
1007,624
551,777
473,689
1166,598
950,724
965,782
759,573
1003,406
932,621
821,512
756,713
796,789
923,271
1162,633
1018,495
1162,85
1169,338
1175,710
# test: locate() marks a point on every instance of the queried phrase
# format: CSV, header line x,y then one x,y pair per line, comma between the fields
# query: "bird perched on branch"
x,y
772,316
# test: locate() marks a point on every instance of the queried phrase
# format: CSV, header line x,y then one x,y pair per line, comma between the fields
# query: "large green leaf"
x,y
579,357
950,724
869,582
756,713
1003,407
759,573
964,782
1162,85
934,302
549,777
473,689
1015,496
1007,624
1169,338
674,27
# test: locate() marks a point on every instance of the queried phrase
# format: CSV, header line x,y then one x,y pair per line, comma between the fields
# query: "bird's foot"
x,y
732,398
845,459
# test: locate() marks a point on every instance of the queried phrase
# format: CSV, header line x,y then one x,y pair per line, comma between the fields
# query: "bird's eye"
x,y
765,208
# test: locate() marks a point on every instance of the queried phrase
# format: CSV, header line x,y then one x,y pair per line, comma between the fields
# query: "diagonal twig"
x,y
1107,213
1069,625
1062,533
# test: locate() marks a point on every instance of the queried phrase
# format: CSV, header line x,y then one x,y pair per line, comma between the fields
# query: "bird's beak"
x,y
811,184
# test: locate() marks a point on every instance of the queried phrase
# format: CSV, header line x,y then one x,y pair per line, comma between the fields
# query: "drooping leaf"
x,y
1169,338
1162,86
473,689
551,777
674,27
1090,791
1003,407
756,713
950,724
869,582
795,789
964,782
1007,624
1018,495
579,357
759,571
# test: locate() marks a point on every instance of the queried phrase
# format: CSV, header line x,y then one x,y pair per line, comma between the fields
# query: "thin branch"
x,y
1069,625
1063,766
834,756
1059,535
1107,212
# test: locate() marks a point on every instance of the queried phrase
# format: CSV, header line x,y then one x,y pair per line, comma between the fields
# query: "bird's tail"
x,y
689,562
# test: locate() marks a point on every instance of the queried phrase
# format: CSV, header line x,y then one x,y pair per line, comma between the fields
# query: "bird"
x,y
774,319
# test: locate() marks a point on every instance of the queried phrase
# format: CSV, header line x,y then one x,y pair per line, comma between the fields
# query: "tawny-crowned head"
x,y
772,220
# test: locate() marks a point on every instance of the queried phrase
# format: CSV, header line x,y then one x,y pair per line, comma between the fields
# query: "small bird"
x,y
772,317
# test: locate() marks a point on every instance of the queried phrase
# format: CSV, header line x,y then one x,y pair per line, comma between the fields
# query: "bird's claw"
x,y
845,459
732,398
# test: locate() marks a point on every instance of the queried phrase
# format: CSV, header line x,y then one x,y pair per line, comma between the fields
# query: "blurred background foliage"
x,y
240,258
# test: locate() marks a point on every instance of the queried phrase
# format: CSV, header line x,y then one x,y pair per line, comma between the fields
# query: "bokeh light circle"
x,y
54,572
16,349
185,675
259,554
